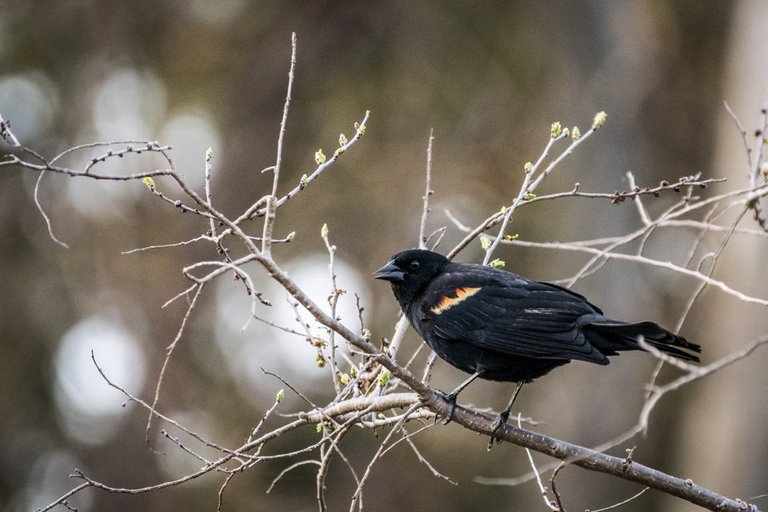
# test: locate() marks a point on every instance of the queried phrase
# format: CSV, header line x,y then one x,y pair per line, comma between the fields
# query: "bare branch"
x,y
269,221
333,301
427,192
544,493
42,212
645,261
258,211
624,502
169,353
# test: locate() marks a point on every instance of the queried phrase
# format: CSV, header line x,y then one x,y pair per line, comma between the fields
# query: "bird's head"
x,y
409,271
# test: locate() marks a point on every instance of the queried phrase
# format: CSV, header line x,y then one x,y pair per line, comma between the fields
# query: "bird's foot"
x,y
501,420
451,399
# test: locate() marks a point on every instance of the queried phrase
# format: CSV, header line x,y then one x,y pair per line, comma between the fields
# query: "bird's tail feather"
x,y
609,337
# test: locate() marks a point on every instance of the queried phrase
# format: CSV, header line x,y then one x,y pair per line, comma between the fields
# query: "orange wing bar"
x,y
447,302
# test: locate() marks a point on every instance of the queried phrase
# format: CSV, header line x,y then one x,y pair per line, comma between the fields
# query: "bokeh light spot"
x,y
89,408
287,354
29,102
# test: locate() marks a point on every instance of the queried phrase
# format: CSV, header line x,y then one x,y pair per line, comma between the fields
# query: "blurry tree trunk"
x,y
727,448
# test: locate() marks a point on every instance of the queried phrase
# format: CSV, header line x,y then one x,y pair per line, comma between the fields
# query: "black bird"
x,y
496,325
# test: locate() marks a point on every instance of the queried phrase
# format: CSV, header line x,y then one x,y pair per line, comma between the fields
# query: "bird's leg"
x,y
451,397
503,417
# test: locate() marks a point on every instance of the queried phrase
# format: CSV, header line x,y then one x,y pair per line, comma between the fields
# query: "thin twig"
x,y
42,212
333,301
742,132
258,210
207,166
168,246
553,485
269,221
290,468
220,496
624,502
645,261
714,258
379,454
542,489
526,191
427,192
399,335
168,354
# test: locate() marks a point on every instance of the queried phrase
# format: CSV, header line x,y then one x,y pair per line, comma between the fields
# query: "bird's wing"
x,y
512,316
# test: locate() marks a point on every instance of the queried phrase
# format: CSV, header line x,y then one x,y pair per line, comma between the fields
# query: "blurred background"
x,y
489,78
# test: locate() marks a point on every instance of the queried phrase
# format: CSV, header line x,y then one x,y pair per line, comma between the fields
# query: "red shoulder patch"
x,y
448,301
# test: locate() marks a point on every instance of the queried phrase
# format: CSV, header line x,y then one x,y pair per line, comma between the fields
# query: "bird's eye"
x,y
414,265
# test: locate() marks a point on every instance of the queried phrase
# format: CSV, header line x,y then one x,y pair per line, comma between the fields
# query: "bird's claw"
x,y
451,399
500,421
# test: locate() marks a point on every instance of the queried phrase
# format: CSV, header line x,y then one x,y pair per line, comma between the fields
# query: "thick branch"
x,y
593,460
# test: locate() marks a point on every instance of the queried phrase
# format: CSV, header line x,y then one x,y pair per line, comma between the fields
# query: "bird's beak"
x,y
390,272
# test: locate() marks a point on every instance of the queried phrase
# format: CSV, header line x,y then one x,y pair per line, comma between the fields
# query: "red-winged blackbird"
x,y
499,326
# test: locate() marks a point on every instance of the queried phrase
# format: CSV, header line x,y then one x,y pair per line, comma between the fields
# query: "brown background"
x,y
489,78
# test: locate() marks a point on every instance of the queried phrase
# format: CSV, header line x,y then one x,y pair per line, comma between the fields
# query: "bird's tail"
x,y
611,337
